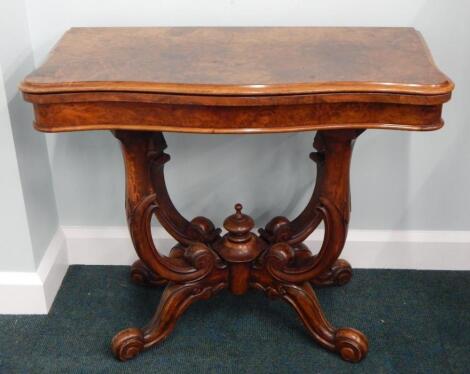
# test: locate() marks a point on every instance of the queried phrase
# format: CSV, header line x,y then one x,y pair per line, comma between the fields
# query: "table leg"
x,y
332,157
193,271
203,263
289,269
176,298
350,343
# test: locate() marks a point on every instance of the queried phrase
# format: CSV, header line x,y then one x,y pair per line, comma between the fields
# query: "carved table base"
x,y
204,263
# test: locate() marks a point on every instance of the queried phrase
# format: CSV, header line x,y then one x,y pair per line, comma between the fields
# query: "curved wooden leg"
x,y
330,202
204,263
332,157
350,344
288,269
175,300
146,195
193,271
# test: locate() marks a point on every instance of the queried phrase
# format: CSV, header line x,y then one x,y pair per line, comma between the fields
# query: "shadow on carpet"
x,y
416,322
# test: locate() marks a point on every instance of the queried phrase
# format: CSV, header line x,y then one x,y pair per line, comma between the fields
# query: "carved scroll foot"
x,y
143,276
176,298
349,343
128,343
338,275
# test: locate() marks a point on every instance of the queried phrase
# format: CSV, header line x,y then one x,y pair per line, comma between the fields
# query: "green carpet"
x,y
416,322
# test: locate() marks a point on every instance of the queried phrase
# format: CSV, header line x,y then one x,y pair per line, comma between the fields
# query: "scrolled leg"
x,y
175,300
288,269
332,157
330,203
349,343
203,263
192,272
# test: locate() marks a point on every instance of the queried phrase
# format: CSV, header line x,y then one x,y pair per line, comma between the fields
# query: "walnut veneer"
x,y
139,82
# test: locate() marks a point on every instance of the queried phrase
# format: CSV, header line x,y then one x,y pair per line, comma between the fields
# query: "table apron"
x,y
80,116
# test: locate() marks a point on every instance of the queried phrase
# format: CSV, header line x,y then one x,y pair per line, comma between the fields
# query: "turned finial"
x,y
239,225
239,244
239,248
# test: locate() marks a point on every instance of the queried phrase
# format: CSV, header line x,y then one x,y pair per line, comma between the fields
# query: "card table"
x,y
140,82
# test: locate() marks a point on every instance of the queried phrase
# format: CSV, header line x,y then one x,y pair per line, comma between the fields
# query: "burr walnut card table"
x,y
141,82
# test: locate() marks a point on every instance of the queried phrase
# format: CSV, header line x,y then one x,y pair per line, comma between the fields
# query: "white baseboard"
x,y
382,249
107,245
34,292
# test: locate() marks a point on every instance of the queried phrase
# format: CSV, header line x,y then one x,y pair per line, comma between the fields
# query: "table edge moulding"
x,y
140,82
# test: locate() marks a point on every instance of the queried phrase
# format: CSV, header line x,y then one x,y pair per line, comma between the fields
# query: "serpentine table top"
x,y
280,79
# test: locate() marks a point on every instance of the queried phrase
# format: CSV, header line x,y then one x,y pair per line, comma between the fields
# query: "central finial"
x,y
238,209
239,248
239,225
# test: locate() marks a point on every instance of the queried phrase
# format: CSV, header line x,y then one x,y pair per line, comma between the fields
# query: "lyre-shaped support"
x,y
193,269
146,195
330,202
204,263
288,268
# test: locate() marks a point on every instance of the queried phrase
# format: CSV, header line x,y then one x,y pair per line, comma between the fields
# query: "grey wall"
x,y
16,60
399,180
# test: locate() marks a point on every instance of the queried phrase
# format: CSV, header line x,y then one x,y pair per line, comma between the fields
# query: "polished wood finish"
x,y
138,82
275,262
240,61
262,80
104,115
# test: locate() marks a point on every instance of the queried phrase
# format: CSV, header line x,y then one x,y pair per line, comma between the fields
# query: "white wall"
x,y
14,229
30,159
399,180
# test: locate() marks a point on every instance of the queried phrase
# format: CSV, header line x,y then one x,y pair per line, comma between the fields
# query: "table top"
x,y
240,61
238,80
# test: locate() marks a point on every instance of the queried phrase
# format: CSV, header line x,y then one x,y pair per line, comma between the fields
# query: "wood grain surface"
x,y
240,61
238,80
